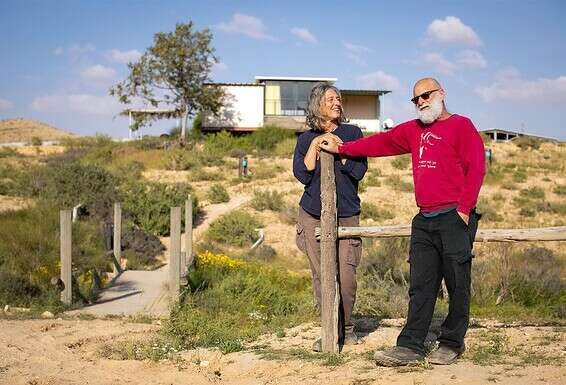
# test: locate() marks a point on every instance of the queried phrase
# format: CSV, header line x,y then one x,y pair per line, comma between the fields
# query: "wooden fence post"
x,y
330,296
66,252
117,238
175,254
188,260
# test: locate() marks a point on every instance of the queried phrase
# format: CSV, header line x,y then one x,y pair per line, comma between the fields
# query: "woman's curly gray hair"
x,y
314,118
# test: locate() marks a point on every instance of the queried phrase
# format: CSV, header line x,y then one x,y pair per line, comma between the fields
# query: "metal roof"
x,y
364,92
296,78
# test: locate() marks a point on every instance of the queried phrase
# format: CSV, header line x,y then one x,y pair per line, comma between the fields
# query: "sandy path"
x,y
42,352
146,292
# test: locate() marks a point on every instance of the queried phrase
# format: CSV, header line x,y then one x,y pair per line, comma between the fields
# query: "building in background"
x,y
283,101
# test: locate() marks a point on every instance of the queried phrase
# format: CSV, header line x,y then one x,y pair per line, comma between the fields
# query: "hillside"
x,y
23,130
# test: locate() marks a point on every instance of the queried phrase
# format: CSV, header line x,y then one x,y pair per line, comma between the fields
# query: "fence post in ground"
x,y
66,263
188,256
175,254
117,238
328,266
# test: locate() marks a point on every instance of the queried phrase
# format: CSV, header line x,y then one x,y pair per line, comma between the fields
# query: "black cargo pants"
x,y
441,247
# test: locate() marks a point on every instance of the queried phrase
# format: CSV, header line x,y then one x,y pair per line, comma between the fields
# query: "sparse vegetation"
x,y
374,212
236,228
218,194
267,200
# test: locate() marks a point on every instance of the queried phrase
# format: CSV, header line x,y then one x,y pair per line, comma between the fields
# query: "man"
x,y
448,170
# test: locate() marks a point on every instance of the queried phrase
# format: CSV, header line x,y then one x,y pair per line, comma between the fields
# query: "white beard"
x,y
430,114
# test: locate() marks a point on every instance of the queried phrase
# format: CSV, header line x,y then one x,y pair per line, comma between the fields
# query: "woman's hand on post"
x,y
330,143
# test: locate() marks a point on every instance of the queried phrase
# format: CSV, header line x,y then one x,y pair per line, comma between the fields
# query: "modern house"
x,y
283,101
501,135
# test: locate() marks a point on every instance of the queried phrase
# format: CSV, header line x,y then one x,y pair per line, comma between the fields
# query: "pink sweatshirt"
x,y
448,160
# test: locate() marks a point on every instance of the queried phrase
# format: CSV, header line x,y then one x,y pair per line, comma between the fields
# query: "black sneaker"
x,y
397,356
444,355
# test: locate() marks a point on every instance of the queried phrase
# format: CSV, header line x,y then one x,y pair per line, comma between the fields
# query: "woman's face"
x,y
331,105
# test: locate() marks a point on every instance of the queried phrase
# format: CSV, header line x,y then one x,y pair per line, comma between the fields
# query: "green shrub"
x,y
527,212
520,176
236,228
527,143
200,174
266,138
495,174
70,184
6,152
509,186
218,194
398,184
488,210
267,200
180,160
559,189
532,193
372,211
285,148
29,248
401,162
150,204
36,141
231,303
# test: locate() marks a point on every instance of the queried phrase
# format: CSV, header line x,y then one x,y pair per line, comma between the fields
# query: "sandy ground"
x,y
73,351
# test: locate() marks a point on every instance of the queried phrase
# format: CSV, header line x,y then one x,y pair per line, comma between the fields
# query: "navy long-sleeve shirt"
x,y
347,175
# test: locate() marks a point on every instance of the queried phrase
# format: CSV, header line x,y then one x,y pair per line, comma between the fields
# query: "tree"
x,y
173,73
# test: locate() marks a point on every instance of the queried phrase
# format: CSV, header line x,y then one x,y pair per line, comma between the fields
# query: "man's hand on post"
x,y
330,143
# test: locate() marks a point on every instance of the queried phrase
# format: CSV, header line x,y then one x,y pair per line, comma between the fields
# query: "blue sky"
x,y
502,63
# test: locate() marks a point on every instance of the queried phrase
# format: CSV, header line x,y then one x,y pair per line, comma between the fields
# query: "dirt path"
x,y
42,352
146,292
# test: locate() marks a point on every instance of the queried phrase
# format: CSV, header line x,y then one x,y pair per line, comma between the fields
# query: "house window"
x,y
288,98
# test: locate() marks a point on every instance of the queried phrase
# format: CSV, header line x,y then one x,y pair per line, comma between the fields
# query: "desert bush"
x,y
36,141
387,256
371,180
236,228
509,186
6,152
200,174
267,200
29,246
140,248
532,193
231,302
372,211
264,171
380,296
288,213
520,176
218,194
527,143
559,189
495,174
285,148
488,210
70,184
397,183
527,212
265,139
150,204
264,252
401,162
180,160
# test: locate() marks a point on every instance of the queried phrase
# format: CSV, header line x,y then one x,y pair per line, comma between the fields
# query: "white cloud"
x,y
356,52
79,103
380,80
471,59
125,57
247,25
98,73
509,85
6,104
440,63
451,30
304,34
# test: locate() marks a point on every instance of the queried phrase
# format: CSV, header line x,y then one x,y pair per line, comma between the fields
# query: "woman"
x,y
325,117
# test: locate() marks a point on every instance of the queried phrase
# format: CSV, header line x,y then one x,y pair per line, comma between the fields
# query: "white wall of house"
x,y
242,108
370,125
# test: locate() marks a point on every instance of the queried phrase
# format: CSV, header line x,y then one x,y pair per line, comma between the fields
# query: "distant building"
x,y
283,101
500,135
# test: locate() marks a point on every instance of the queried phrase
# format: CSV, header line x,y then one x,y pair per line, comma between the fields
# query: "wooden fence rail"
x,y
483,235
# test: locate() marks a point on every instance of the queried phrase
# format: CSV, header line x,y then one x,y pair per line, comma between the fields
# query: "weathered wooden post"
x,y
330,296
66,263
188,256
117,238
175,254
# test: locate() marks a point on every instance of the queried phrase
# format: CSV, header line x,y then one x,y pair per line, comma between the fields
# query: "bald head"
x,y
425,84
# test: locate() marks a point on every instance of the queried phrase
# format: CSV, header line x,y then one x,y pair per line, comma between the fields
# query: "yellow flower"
x,y
219,260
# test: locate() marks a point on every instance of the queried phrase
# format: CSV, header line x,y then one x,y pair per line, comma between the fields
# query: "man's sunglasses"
x,y
424,95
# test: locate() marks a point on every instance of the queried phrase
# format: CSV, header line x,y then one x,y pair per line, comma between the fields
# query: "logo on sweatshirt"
x,y
428,139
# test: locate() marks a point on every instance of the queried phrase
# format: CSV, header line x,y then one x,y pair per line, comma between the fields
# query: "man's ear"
x,y
442,93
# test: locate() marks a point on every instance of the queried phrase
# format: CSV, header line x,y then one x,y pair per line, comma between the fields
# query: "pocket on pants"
x,y
354,251
300,238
